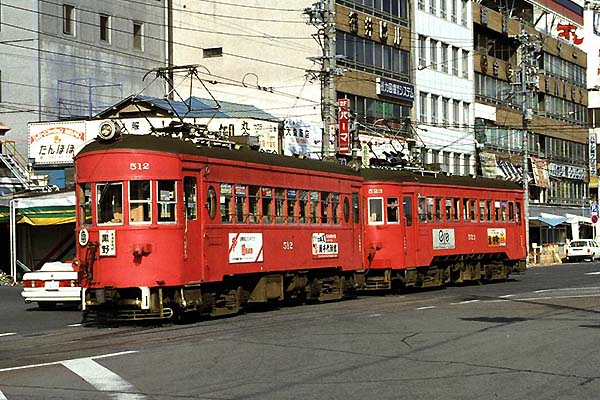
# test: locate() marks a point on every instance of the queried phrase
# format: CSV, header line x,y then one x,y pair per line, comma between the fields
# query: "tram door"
x,y
192,226
411,243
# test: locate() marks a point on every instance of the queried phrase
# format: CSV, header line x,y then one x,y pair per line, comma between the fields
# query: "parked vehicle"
x,y
55,282
583,249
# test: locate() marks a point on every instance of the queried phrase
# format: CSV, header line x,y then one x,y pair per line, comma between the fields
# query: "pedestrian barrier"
x,y
544,255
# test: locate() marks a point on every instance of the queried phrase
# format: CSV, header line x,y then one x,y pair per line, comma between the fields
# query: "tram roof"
x,y
177,146
390,175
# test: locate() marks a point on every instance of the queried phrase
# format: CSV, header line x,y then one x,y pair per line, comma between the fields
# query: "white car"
x,y
55,282
582,249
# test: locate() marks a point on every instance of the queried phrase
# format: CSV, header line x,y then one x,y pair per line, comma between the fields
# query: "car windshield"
x,y
579,243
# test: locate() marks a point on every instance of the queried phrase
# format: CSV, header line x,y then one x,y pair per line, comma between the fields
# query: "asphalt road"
x,y
533,337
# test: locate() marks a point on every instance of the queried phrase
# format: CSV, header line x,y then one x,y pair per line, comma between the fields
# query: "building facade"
x,y
70,60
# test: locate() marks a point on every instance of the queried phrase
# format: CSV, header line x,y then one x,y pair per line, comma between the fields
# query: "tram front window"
x,y
110,202
85,203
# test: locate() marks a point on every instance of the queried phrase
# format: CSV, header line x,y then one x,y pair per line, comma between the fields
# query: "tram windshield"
x,y
109,197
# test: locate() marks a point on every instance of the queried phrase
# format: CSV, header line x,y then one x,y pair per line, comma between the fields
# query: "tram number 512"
x,y
139,166
288,245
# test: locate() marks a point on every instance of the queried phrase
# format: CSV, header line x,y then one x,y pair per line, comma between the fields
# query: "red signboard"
x,y
343,126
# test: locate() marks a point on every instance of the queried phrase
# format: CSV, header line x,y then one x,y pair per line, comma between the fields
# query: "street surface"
x,y
536,336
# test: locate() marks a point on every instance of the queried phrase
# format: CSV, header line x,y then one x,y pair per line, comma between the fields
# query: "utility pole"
x,y
322,15
530,49
170,78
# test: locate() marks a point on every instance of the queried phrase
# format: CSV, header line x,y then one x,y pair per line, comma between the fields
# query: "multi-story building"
x,y
272,57
443,54
557,130
71,59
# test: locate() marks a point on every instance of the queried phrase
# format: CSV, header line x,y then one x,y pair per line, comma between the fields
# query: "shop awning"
x,y
547,220
47,209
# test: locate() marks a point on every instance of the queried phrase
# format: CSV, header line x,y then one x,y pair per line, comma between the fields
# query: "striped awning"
x,y
49,209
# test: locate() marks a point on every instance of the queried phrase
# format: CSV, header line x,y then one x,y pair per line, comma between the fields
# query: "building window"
x,y
434,105
138,36
456,113
432,8
212,52
444,58
443,8
423,107
467,163
445,111
68,19
453,10
465,64
463,18
455,61
105,28
433,53
456,164
466,114
422,51
421,5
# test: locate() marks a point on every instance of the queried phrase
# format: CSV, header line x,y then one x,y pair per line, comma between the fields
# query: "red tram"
x,y
165,227
425,230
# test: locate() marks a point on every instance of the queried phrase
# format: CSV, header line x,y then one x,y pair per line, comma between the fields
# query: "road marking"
x,y
464,302
559,297
567,289
506,296
593,273
375,315
103,379
425,308
2,396
7,334
74,325
60,362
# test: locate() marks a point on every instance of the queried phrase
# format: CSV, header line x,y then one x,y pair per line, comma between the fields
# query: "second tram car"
x,y
165,227
423,230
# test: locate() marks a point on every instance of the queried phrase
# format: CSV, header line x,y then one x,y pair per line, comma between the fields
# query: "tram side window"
x,y
488,210
190,196
292,206
496,210
110,202
226,203
466,209
429,209
518,212
325,200
280,206
314,207
240,203
139,201
422,204
335,208
448,209
511,211
167,200
408,213
84,194
253,204
303,206
438,209
267,205
503,214
456,202
473,210
482,210
392,210
375,210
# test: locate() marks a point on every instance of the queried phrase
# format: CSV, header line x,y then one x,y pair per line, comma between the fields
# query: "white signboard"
x,y
107,243
55,142
324,245
245,247
443,239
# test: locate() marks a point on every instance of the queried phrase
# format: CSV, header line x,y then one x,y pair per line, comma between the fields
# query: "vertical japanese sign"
x,y
593,161
344,126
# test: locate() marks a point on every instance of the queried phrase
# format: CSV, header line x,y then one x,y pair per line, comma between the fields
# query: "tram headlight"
x,y
109,130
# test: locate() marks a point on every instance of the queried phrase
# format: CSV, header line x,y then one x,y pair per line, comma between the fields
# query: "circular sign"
x,y
594,219
83,237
